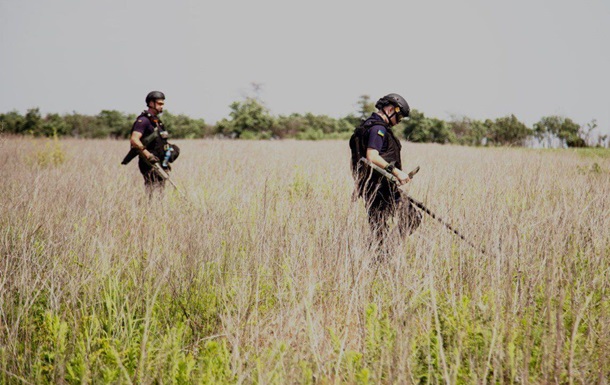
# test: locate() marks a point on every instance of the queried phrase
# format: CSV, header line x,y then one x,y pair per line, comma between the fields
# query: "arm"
x,y
373,156
136,142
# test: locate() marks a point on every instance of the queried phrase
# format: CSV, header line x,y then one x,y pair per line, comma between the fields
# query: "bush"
x,y
51,156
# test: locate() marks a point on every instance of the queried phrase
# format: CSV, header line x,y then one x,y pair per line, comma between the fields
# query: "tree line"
x,y
250,119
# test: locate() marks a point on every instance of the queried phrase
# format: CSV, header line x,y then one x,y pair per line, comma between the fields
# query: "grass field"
x,y
264,273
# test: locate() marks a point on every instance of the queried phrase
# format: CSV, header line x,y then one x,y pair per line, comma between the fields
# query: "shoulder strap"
x,y
365,127
156,122
370,123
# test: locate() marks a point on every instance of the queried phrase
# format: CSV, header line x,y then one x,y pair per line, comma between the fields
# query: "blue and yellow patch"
x,y
380,133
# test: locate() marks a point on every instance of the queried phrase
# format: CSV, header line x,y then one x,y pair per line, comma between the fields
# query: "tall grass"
x,y
264,273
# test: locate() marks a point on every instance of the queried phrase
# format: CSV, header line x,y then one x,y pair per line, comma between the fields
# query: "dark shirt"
x,y
377,135
144,126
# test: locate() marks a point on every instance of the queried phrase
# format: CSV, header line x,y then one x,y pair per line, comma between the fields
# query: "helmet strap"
x,y
153,108
390,116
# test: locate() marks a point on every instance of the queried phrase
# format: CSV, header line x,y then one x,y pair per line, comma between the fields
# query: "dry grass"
x,y
263,274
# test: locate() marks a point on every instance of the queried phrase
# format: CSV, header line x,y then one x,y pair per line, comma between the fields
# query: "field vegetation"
x,y
251,119
260,271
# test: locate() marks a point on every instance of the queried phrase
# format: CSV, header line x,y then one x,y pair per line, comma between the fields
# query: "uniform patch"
x,y
139,120
380,133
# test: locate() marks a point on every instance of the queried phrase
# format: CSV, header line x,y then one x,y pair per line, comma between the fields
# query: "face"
x,y
158,105
395,114
398,117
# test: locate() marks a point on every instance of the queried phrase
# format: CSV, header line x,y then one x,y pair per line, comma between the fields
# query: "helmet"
x,y
395,100
154,95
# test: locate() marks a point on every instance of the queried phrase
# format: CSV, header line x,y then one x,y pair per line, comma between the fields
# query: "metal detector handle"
x,y
160,171
413,172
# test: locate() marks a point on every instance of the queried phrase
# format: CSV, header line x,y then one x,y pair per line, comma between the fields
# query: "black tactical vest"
x,y
155,142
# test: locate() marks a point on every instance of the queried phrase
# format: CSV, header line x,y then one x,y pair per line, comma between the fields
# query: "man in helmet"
x,y
149,140
375,141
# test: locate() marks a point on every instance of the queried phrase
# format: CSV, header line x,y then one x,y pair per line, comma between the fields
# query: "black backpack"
x,y
360,139
358,144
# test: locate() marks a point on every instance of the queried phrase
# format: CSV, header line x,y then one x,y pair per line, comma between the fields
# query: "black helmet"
x,y
395,100
154,95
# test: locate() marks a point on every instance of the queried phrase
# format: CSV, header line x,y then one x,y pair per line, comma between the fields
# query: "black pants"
x,y
386,202
152,180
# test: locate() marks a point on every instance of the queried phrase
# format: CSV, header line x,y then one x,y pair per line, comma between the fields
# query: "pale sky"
x,y
481,59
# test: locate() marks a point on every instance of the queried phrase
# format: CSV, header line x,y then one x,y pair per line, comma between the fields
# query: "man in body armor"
x,y
149,141
375,141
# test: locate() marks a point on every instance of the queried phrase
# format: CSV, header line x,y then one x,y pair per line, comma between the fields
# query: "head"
x,y
394,107
155,100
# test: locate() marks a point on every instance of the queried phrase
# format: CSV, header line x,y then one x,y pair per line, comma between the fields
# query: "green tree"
x,y
312,127
325,124
79,125
419,128
54,124
250,117
564,129
365,106
112,123
320,126
182,126
507,131
413,127
468,131
289,126
12,122
33,122
365,109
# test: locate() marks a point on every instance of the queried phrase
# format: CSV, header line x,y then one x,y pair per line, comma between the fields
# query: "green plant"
x,y
52,155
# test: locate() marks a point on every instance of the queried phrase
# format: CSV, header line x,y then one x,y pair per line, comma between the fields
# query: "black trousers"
x,y
385,202
152,180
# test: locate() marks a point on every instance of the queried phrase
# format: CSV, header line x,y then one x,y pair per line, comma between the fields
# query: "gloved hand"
x,y
402,177
153,159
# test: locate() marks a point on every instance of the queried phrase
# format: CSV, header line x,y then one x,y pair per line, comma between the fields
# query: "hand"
x,y
153,159
402,177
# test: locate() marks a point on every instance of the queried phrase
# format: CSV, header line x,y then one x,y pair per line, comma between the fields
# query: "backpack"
x,y
358,144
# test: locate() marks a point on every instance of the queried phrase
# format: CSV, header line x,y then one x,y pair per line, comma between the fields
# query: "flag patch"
x,y
380,133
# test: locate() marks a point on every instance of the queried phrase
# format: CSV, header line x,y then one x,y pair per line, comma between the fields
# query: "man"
x,y
149,141
375,140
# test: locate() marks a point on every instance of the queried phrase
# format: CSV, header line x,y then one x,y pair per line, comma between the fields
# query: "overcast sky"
x,y
475,58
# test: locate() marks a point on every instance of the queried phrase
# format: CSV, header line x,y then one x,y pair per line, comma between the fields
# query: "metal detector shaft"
x,y
421,206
